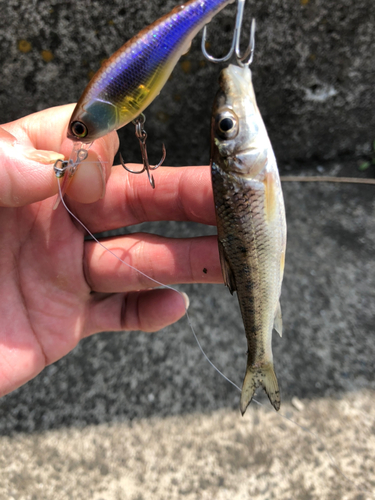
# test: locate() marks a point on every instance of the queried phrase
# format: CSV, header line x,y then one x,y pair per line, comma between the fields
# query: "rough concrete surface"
x,y
134,415
313,71
217,455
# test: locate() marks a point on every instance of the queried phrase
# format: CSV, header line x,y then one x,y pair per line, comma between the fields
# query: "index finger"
x,y
181,194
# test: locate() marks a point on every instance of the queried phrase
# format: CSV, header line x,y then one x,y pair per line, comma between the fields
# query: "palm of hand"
x,y
44,293
55,287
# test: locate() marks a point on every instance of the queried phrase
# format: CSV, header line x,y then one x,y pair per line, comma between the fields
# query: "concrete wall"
x,y
313,71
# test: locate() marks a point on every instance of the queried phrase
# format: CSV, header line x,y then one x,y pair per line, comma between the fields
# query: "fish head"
x,y
238,131
92,120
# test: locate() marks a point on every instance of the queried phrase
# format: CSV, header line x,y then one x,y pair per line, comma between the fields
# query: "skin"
x,y
55,288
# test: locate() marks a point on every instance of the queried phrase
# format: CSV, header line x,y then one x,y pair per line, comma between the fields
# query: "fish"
x,y
135,74
251,223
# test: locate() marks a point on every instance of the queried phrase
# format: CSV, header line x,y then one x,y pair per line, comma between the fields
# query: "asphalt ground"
x,y
135,415
138,416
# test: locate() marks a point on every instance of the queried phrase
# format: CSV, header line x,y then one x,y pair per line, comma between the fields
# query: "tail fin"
x,y
262,375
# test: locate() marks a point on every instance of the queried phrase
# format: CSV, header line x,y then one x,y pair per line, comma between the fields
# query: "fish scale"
x,y
250,223
244,238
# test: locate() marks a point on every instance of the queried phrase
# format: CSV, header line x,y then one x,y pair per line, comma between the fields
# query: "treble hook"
x,y
141,135
242,59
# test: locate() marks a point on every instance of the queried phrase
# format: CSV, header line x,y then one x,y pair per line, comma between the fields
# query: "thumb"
x,y
28,151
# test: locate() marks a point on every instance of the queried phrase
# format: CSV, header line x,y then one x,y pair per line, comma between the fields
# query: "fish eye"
x,y
227,125
79,130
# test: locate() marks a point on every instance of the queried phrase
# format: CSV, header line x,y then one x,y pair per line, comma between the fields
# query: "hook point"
x,y
141,135
242,59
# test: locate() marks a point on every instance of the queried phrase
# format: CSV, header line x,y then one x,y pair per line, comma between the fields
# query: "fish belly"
x,y
251,242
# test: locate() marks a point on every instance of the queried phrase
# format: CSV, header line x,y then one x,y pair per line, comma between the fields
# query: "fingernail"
x,y
7,136
39,155
104,184
186,299
94,160
88,183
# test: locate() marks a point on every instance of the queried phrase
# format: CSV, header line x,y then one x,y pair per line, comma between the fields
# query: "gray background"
x,y
313,71
314,79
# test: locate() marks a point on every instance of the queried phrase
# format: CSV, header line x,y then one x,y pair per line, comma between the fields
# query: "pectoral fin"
x,y
226,270
278,321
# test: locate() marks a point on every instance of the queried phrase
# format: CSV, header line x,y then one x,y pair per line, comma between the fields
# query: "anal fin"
x,y
278,321
228,276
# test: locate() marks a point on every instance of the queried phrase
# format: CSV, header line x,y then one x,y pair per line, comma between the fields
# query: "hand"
x,y
55,288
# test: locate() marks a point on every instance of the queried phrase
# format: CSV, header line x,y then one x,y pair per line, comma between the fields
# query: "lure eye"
x,y
227,125
79,130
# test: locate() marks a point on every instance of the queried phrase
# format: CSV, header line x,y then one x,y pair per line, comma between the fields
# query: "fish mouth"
x,y
237,80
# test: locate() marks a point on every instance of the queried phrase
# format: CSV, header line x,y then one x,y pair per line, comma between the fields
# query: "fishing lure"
x,y
133,76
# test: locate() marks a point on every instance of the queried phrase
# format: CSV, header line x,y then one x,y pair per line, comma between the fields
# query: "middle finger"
x,y
166,260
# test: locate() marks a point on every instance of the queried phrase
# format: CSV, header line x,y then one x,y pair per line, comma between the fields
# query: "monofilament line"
x,y
151,279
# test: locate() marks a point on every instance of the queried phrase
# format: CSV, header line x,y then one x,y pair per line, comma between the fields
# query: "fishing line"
x,y
151,279
320,178
282,415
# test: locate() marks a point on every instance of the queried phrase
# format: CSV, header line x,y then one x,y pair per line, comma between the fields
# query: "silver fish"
x,y
251,223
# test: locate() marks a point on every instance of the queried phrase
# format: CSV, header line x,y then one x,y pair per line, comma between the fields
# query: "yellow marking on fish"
x,y
271,196
135,100
282,263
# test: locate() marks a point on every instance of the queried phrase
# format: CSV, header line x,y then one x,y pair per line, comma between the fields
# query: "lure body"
x,y
251,223
134,75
